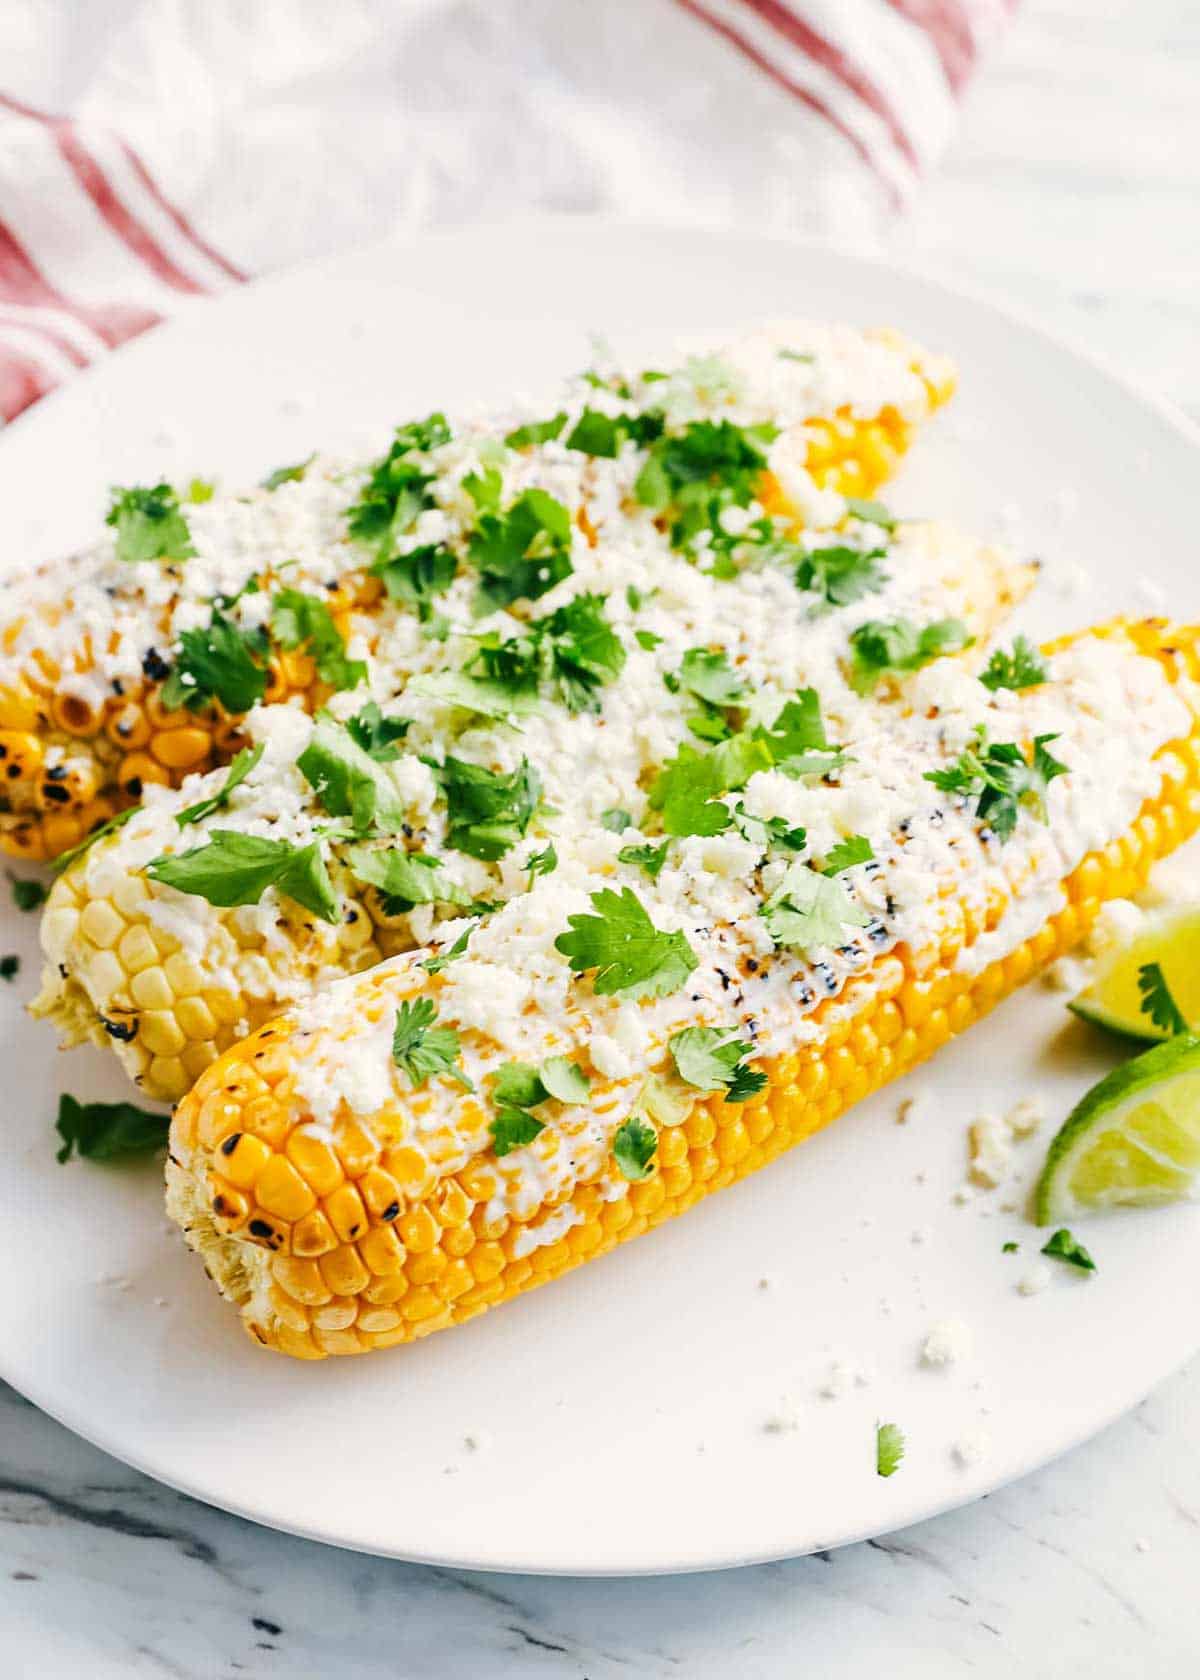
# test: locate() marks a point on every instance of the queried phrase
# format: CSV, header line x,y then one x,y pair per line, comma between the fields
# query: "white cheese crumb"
x,y
477,1440
991,1150
972,1448
948,1343
921,1236
1142,1544
842,1376
1035,1279
1024,1118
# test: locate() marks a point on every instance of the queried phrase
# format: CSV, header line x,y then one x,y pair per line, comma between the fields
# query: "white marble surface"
x,y
1074,193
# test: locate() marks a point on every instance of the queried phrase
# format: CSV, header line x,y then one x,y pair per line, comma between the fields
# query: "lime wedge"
x,y
1171,939
1133,1141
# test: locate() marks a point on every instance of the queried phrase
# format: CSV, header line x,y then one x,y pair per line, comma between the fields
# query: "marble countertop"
x,y
1072,193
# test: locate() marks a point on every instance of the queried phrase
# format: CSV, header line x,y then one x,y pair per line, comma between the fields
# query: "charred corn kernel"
x,y
352,1274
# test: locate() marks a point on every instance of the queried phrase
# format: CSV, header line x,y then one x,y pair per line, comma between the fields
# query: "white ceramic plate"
x,y
624,1406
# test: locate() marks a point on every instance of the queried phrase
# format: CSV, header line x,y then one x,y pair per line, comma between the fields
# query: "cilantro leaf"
x,y
695,474
615,820
544,862
435,965
1022,668
565,1080
629,954
796,739
523,553
376,734
650,859
874,513
148,524
404,878
535,432
10,967
584,651
105,1131
595,433
855,848
889,1448
1001,780
488,810
238,771
287,475
348,781
513,1128
1063,1246
647,640
490,697
418,575
807,910
27,894
221,662
768,831
398,488
300,620
895,647
688,784
842,574
635,1145
714,1059
485,488
1157,1001
232,868
424,1051
710,677
64,860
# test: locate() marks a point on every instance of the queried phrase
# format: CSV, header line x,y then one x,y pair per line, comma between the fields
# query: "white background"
x,y
1073,191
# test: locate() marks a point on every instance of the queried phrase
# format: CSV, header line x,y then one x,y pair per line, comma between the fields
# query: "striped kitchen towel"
x,y
156,151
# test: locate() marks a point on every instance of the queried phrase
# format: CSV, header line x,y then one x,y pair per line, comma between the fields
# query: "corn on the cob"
x,y
86,722
342,1210
169,983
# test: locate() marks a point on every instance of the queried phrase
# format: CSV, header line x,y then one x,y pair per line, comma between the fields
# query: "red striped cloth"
x,y
100,208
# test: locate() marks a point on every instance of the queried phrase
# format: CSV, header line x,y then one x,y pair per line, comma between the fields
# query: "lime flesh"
x,y
1113,1000
1133,1141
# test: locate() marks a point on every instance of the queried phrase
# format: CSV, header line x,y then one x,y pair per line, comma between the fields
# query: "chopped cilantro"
x,y
855,848
1001,780
232,868
807,910
1063,1246
417,576
796,739
889,1448
634,1147
489,811
565,1080
377,735
27,894
582,649
768,831
841,574
238,771
537,431
424,1051
647,858
485,488
148,524
220,662
287,475
709,676
1022,668
595,433
629,954
398,488
404,878
348,781
435,965
688,784
64,860
695,474
522,553
1157,1001
544,862
304,621
502,698
615,820
874,513
518,1087
104,1131
1009,1247
894,647
10,967
513,1128
714,1059
647,640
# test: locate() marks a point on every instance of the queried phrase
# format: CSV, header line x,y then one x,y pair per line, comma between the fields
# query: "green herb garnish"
x,y
238,771
855,848
1157,1001
348,781
523,553
714,1059
628,953
288,475
232,868
895,647
807,910
634,1147
377,735
488,810
221,662
27,894
889,1448
649,859
1022,668
1001,780
841,574
1063,1246
404,878
418,576
10,967
105,1131
424,1051
304,621
148,524
398,489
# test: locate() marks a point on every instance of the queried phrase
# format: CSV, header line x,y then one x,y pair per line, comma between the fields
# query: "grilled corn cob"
x,y
171,981
346,1196
89,715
